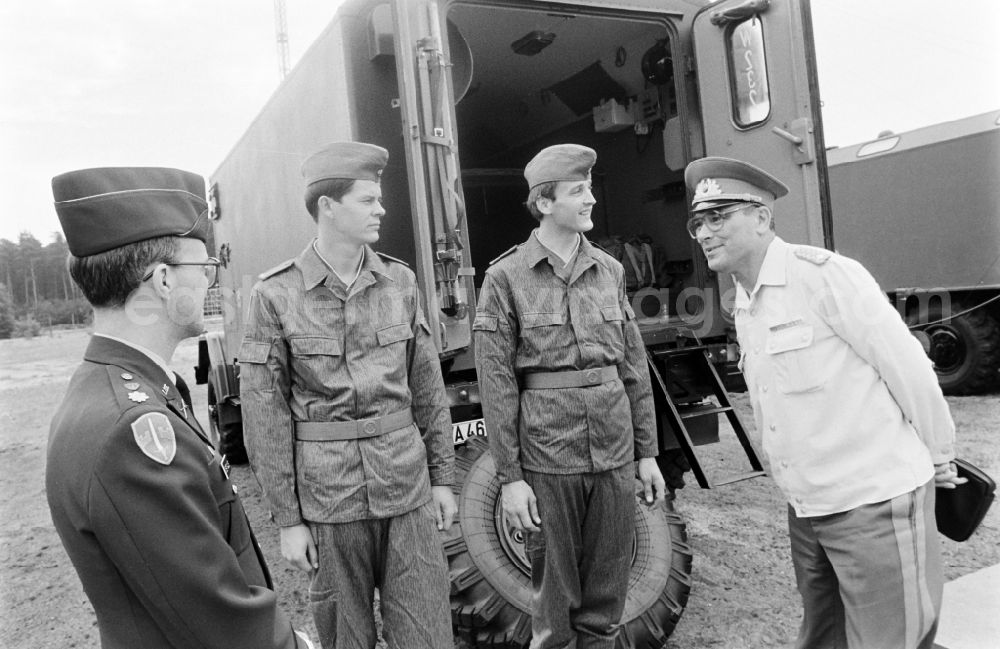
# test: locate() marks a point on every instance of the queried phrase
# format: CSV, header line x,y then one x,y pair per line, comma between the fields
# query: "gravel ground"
x,y
742,595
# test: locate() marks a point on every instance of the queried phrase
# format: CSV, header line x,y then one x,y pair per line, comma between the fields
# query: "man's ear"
x,y
161,281
764,216
544,204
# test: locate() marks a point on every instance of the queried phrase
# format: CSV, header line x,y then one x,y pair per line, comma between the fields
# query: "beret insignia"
x,y
155,437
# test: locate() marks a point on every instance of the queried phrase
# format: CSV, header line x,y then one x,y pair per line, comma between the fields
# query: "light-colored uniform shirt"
x,y
316,350
847,402
537,313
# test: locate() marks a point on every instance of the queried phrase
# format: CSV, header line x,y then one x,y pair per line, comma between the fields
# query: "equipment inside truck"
x,y
540,78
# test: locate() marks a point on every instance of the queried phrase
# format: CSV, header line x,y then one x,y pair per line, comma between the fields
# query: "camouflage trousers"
x,y
403,557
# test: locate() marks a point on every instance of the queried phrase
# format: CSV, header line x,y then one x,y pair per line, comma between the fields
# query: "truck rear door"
x,y
425,101
756,75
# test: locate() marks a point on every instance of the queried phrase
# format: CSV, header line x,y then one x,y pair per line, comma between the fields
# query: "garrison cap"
x,y
560,162
347,161
722,181
109,207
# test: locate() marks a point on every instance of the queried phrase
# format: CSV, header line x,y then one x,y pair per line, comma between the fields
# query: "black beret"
x,y
347,161
570,162
109,207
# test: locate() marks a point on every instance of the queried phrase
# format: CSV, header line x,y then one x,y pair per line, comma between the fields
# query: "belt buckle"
x,y
370,427
592,376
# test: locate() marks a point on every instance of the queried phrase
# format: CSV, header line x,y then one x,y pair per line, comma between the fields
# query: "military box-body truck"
x,y
463,94
921,210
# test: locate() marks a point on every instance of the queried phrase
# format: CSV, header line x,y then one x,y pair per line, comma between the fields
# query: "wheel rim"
x,y
948,351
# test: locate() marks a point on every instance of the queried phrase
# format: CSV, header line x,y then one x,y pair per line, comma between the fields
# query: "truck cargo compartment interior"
x,y
590,85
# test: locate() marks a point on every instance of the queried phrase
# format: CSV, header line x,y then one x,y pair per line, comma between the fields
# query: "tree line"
x,y
36,289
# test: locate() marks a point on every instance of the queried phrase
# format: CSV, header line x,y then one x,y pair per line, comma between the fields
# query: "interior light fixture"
x,y
533,42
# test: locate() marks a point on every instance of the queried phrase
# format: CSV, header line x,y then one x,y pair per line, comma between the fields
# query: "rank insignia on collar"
x,y
155,437
127,376
132,386
165,389
138,396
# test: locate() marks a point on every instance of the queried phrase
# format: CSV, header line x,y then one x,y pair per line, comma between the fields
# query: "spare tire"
x,y
490,574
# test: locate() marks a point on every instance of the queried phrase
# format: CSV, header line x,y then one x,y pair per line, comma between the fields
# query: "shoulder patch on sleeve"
x,y
391,258
155,437
817,256
504,254
285,265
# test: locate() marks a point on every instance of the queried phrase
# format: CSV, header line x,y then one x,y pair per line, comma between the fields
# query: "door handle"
x,y
799,134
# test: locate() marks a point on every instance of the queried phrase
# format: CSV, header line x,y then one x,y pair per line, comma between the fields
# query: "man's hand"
x,y
520,505
946,476
654,489
299,548
445,506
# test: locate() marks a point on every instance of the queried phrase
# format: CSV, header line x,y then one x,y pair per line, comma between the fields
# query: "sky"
x,y
175,82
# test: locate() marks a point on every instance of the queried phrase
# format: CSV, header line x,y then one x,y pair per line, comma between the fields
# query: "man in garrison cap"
x,y
346,418
852,419
140,498
568,406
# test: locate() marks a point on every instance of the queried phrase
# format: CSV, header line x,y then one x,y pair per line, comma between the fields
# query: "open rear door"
x,y
759,95
425,96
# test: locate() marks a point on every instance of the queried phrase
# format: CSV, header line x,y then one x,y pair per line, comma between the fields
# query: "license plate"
x,y
463,430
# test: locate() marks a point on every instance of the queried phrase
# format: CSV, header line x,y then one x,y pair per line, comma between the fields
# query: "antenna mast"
x,y
281,36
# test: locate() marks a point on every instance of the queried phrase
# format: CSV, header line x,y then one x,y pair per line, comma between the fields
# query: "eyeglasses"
x,y
714,219
210,266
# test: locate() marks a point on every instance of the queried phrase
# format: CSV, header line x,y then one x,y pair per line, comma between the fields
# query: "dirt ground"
x,y
742,596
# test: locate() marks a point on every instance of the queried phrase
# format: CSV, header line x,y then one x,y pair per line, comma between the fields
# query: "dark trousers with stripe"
x,y
403,557
870,577
580,560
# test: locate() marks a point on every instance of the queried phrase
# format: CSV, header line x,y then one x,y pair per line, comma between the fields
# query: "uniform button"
x,y
772,426
764,388
784,464
369,428
591,376
756,350
805,337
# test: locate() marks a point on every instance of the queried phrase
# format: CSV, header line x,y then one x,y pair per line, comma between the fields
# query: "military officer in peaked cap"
x,y
853,422
142,502
568,405
346,417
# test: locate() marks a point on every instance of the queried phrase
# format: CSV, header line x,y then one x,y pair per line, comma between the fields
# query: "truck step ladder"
x,y
695,357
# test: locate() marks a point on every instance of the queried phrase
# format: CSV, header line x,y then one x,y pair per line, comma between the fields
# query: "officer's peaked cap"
x,y
569,162
721,181
346,161
108,207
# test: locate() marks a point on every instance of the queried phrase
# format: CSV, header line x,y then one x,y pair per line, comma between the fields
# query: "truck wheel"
x,y
490,573
228,438
965,350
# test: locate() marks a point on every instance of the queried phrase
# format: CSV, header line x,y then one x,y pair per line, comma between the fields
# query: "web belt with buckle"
x,y
335,431
570,378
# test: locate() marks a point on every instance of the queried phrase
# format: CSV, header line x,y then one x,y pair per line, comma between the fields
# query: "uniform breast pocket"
x,y
314,359
542,331
793,356
390,354
610,328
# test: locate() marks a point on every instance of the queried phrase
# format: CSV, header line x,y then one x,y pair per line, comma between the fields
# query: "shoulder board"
x,y
502,255
817,256
277,269
599,247
391,258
